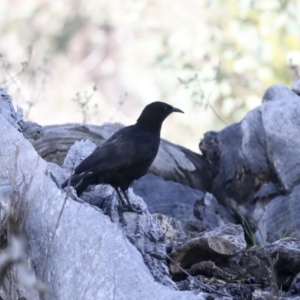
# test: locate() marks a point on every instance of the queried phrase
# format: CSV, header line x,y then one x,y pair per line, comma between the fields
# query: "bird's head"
x,y
155,113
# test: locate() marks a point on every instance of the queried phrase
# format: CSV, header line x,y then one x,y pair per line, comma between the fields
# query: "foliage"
x,y
214,59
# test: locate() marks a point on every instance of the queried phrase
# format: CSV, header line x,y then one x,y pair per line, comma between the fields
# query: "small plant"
x,y
83,102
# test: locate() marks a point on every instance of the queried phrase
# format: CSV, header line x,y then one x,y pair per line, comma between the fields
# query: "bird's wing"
x,y
125,148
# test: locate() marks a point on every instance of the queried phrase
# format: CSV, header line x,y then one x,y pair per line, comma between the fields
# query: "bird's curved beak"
x,y
177,110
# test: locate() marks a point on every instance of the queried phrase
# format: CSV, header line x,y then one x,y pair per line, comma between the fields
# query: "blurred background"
x,y
103,61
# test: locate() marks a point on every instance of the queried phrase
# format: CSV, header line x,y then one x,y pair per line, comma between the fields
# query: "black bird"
x,y
125,156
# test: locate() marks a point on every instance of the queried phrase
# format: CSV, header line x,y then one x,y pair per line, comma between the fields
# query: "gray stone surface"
x,y
279,217
30,130
7,109
173,228
296,86
279,91
77,153
211,213
168,197
190,206
281,123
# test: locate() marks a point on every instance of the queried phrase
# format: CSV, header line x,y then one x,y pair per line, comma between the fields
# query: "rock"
x,y
6,192
247,172
255,161
77,153
295,286
167,197
211,213
30,130
222,242
285,258
266,192
256,151
281,124
177,232
296,87
148,237
278,91
274,266
8,112
174,230
279,217
270,270
209,146
72,242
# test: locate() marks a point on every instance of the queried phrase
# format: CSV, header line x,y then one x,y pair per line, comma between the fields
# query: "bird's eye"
x,y
166,108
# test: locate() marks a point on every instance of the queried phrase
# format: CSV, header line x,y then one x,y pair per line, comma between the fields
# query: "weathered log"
x,y
172,162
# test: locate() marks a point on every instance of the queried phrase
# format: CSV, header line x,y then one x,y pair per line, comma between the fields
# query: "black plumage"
x,y
125,156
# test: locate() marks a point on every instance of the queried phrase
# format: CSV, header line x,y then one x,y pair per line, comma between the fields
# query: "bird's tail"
x,y
79,183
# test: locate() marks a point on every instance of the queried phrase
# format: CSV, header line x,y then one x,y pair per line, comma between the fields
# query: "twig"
x,y
41,73
83,104
122,101
12,78
53,236
207,98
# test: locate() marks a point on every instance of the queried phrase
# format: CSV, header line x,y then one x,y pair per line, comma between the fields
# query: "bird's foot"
x,y
131,208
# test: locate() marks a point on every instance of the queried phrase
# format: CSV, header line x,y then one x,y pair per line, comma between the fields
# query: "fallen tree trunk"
x,y
173,162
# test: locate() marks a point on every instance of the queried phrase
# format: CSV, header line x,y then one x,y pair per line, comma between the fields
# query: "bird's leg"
x,y
120,197
129,205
